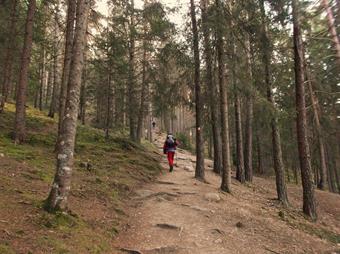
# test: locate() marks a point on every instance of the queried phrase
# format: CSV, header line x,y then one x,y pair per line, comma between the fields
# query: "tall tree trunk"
x,y
337,157
259,155
309,206
288,174
336,172
330,174
150,128
248,148
70,22
82,103
316,112
295,170
108,117
226,159
332,29
8,62
36,98
337,2
199,173
20,113
276,139
42,78
58,197
212,91
143,103
132,100
278,163
210,149
53,105
240,176
49,86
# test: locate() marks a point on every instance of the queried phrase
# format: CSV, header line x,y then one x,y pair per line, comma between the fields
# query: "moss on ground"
x,y
298,221
5,249
105,171
320,232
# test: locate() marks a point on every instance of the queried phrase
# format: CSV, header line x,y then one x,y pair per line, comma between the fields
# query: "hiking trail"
x,y
178,214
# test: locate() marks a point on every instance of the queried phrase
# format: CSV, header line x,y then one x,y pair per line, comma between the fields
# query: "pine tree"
x,y
58,197
21,97
309,206
199,173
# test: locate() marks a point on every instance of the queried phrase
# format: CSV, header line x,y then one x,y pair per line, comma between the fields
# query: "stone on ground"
x,y
212,197
168,226
144,193
189,168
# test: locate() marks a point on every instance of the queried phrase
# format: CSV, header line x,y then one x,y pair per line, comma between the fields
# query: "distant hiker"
x,y
153,124
169,148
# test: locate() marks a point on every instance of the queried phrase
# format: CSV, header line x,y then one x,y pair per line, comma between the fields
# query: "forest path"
x,y
178,214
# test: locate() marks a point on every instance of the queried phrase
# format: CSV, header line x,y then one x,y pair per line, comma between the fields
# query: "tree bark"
x,y
212,92
70,22
58,196
199,173
132,100
296,175
143,103
309,206
49,86
322,183
226,159
330,173
8,62
53,105
337,15
20,113
276,139
240,175
337,156
150,128
109,100
259,155
248,149
332,30
42,78
82,103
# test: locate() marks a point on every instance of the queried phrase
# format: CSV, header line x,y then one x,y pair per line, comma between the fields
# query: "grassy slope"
x,y
118,167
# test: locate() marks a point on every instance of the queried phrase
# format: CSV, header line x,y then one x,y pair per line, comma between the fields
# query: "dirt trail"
x,y
178,214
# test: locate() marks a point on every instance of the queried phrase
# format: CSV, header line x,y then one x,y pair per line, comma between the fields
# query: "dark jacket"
x,y
170,145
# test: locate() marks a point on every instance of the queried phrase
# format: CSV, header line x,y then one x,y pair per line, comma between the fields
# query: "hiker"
x,y
169,148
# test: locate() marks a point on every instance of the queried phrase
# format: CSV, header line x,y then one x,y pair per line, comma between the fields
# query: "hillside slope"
x,y
106,173
178,214
120,203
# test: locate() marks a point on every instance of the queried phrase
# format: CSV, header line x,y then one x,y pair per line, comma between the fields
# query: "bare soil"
x,y
173,215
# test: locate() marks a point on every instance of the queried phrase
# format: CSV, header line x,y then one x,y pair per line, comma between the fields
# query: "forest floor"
x,y
123,201
106,173
178,214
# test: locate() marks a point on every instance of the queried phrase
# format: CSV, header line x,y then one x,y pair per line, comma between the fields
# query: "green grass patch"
x,y
58,245
320,232
61,221
5,249
117,166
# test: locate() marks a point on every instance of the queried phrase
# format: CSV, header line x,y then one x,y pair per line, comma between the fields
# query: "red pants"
x,y
171,156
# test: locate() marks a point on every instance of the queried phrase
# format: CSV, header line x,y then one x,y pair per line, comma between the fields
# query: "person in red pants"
x,y
169,149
